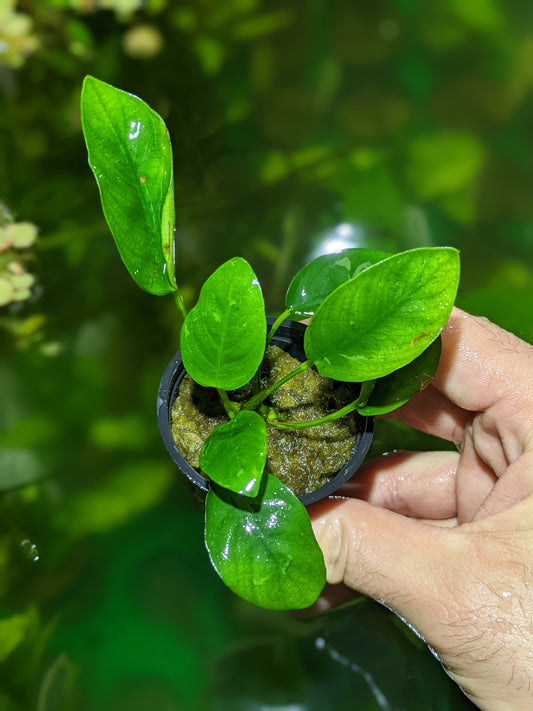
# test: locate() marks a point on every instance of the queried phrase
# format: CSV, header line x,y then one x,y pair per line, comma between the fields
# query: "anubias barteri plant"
x,y
374,319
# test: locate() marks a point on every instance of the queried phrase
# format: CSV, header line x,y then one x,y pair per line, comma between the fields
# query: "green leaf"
x,y
223,338
395,389
264,549
19,466
126,493
13,631
483,15
443,162
234,454
58,690
314,282
384,317
131,158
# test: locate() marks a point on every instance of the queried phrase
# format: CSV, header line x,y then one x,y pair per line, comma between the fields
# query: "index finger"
x,y
481,363
483,368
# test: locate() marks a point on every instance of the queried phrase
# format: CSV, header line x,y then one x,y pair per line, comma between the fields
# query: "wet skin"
x,y
445,539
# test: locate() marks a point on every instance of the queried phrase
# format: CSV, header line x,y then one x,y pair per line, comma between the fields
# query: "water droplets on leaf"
x,y
272,521
135,129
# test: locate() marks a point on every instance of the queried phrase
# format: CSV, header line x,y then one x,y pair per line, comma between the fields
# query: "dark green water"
x,y
296,126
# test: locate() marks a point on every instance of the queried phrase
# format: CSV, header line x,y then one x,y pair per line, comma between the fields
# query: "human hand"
x,y
445,539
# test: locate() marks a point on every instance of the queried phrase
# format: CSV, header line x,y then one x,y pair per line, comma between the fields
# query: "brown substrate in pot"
x,y
303,459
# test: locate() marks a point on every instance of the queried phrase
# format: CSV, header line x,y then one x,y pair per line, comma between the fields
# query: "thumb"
x,y
398,561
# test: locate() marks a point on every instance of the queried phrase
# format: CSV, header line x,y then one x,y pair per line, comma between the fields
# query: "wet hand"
x,y
445,539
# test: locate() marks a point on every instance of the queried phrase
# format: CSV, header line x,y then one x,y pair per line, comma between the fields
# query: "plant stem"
x,y
366,389
179,303
277,323
231,408
257,399
256,381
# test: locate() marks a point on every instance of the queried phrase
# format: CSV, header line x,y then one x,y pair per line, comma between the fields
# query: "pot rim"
x,y
289,336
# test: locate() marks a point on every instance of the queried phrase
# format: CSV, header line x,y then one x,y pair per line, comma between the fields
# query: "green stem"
x,y
257,399
366,390
231,408
256,381
179,303
277,323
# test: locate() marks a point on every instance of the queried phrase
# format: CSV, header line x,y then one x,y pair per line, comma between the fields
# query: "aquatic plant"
x,y
374,320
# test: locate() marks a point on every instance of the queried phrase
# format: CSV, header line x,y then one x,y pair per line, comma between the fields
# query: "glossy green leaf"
x,y
384,317
234,454
314,282
223,338
131,158
264,549
395,389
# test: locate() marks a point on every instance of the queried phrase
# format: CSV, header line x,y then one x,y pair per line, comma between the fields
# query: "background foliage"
x,y
298,126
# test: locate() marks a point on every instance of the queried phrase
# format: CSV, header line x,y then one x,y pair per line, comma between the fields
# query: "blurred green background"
x,y
298,127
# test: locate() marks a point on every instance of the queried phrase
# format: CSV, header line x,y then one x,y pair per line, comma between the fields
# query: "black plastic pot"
x,y
290,337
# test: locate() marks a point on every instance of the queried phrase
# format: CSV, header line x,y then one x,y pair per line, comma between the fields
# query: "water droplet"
x,y
30,550
135,129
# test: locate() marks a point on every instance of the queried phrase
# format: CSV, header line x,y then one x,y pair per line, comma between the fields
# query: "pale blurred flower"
x,y
17,40
142,42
